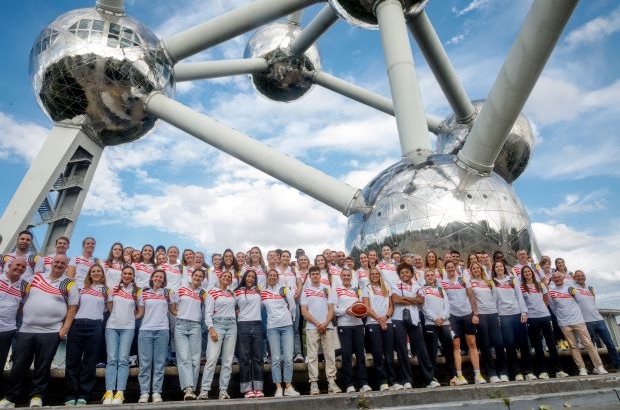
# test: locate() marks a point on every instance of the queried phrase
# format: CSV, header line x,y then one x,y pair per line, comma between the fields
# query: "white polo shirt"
x,y
45,308
12,295
317,300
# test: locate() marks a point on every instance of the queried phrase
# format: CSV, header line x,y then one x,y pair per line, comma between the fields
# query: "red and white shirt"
x,y
45,308
12,295
189,303
219,304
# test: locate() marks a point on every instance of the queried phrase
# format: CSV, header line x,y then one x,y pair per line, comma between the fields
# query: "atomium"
x,y
437,205
514,156
285,78
90,69
110,76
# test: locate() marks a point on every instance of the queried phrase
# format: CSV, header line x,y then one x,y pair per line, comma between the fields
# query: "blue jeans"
x,y
599,328
152,352
187,339
226,328
83,343
250,351
118,343
281,344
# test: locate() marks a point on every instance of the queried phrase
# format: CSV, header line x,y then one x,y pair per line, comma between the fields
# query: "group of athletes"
x,y
170,307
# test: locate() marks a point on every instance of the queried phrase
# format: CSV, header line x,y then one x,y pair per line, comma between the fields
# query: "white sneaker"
x,y
479,379
298,358
156,398
460,380
278,392
224,395
351,389
291,392
314,389
107,397
144,398
384,387
189,394
583,371
204,395
559,374
519,377
332,388
433,384
407,386
119,398
5,404
396,386
504,379
36,402
545,375
530,376
494,379
599,370
366,388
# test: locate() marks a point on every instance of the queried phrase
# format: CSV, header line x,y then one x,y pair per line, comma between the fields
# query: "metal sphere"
x,y
284,79
438,205
514,155
89,69
361,13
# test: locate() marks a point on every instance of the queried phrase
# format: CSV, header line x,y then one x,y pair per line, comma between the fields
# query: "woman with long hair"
x,y
221,322
153,337
373,259
229,264
127,306
513,322
257,264
380,329
351,333
431,262
84,337
114,263
145,267
363,272
187,308
187,265
407,296
436,311
462,321
279,304
489,331
249,336
539,325
321,263
289,279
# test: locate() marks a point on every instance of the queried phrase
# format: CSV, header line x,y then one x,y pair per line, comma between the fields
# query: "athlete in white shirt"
x,y
12,294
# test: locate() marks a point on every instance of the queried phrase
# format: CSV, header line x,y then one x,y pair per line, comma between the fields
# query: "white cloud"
x,y
595,30
20,141
592,252
577,204
577,160
473,6
456,39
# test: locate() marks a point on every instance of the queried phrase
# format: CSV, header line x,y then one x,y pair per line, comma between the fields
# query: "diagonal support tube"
x,y
364,96
525,61
415,143
229,25
437,59
214,69
319,25
287,169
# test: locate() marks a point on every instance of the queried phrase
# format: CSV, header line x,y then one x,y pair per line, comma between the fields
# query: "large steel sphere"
x,y
89,68
438,205
361,13
284,80
514,155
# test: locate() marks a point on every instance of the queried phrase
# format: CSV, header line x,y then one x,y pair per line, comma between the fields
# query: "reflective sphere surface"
x,y
360,13
89,69
284,80
514,155
437,205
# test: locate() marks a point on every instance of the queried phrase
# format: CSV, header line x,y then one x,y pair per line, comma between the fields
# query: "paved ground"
x,y
590,392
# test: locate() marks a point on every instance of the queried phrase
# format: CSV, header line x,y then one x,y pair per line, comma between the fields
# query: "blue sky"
x,y
169,188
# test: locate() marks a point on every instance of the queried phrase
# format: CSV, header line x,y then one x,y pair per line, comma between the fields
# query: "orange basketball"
x,y
359,309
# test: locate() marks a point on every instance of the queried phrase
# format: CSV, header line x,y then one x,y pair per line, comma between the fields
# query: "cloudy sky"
x,y
169,188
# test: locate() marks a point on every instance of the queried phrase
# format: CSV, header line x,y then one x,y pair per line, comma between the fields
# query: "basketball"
x,y
359,309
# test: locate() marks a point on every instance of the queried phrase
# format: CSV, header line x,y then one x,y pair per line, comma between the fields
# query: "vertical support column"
x,y
55,157
415,143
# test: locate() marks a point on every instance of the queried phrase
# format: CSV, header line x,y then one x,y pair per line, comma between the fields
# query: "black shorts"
x,y
462,325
